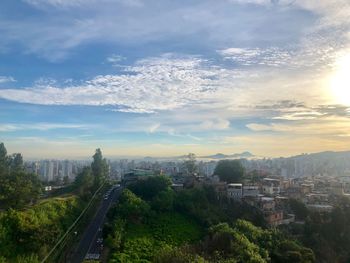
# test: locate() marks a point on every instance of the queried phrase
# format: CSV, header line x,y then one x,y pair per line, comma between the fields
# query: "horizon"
x,y
149,78
177,157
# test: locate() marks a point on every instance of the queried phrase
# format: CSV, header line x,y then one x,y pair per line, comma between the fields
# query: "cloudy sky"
x,y
164,78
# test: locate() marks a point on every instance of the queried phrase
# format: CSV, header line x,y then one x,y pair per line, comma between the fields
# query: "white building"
x,y
251,191
271,186
235,191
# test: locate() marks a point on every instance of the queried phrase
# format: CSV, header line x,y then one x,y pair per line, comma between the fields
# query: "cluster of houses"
x,y
269,194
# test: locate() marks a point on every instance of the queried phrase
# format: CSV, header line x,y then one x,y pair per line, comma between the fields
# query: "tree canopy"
x,y
99,168
151,186
230,171
190,164
17,187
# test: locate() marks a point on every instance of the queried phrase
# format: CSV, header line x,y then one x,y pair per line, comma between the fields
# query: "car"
x,y
99,240
92,256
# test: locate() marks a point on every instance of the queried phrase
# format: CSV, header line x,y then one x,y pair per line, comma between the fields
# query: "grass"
x,y
143,241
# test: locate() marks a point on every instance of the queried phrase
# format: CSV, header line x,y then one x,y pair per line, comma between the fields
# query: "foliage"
x,y
190,165
17,188
225,242
299,209
329,234
84,183
185,254
132,207
164,201
33,232
142,242
200,204
99,168
230,171
115,233
151,186
168,226
245,242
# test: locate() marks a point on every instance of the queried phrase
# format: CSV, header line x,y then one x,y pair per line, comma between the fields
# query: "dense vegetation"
x,y
17,188
33,232
155,224
29,228
328,234
230,171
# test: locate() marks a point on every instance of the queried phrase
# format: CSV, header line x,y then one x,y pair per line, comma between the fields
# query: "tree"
x,y
16,162
164,201
230,171
3,160
131,206
84,183
229,243
299,209
116,232
151,186
190,165
99,168
66,180
17,188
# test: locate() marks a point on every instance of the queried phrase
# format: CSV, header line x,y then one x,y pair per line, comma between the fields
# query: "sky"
x,y
165,78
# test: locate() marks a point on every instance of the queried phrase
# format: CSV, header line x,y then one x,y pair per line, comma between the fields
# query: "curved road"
x,y
89,242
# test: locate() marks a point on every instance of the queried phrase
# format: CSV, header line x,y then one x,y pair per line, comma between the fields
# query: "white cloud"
x,y
161,83
9,127
219,124
57,3
5,79
269,127
259,127
115,59
71,23
257,56
265,2
79,3
153,127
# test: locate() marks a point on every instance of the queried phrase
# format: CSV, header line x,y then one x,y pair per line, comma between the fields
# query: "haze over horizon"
x,y
164,78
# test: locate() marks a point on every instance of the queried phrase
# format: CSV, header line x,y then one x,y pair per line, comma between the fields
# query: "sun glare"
x,y
340,81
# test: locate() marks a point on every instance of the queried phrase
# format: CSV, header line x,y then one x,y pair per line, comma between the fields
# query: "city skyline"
x,y
164,78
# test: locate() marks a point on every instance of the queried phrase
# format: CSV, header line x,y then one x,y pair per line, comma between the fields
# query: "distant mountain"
x,y
326,155
243,155
228,156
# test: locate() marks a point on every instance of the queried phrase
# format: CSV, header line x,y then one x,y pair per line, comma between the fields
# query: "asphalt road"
x,y
89,243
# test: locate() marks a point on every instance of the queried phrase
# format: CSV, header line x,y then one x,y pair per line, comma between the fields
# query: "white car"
x,y
92,256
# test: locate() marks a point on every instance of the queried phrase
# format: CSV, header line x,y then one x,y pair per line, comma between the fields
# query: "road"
x,y
89,244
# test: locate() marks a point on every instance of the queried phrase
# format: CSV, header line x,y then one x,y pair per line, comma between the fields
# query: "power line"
x,y
72,226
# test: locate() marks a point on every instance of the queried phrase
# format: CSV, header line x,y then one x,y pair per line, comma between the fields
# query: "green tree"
x,y
299,209
151,186
132,207
3,160
114,238
228,243
66,180
164,201
185,254
190,164
16,162
17,188
99,168
230,171
84,183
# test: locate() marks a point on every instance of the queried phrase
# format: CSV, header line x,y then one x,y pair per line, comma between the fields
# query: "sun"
x,y
340,81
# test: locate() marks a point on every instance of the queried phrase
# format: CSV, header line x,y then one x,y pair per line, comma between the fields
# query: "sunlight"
x,y
340,81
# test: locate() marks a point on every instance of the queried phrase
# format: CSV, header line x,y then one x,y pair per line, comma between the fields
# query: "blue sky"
x,y
164,78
